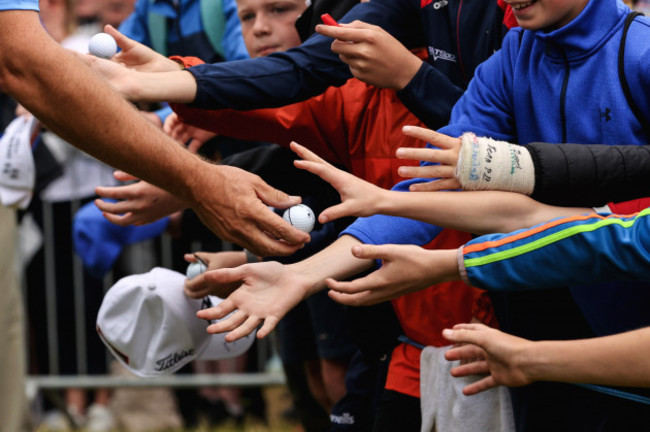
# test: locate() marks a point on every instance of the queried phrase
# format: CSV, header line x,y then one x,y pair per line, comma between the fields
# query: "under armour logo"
x,y
605,114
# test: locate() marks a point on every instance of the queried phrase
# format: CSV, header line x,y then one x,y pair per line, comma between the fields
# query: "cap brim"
x,y
217,348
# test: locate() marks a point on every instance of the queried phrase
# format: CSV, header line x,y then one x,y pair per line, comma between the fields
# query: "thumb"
x,y
122,41
336,212
275,197
370,252
122,176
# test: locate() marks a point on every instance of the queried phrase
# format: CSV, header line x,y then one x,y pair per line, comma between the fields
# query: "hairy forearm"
x,y
335,261
78,106
620,359
476,212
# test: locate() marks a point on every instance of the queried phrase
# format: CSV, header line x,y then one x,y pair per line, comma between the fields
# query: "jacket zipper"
x,y
565,84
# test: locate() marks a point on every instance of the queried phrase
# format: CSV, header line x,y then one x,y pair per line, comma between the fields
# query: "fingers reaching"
x,y
228,324
435,185
122,41
365,298
445,156
124,177
432,137
217,312
479,386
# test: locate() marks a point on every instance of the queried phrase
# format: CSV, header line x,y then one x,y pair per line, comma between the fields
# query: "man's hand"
x,y
500,355
137,203
198,287
405,269
268,291
358,197
374,56
446,157
140,57
233,204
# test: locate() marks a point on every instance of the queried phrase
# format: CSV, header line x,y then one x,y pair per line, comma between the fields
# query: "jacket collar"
x,y
592,28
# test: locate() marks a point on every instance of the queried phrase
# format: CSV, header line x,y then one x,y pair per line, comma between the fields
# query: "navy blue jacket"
x,y
457,39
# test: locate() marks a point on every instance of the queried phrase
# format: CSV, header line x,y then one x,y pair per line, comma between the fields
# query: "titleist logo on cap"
x,y
170,360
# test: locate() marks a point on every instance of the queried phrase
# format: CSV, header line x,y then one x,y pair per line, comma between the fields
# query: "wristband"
x,y
460,256
487,164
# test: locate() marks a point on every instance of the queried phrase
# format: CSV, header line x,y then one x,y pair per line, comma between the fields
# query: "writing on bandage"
x,y
487,164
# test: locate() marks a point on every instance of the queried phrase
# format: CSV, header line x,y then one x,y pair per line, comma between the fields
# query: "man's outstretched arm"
x,y
78,106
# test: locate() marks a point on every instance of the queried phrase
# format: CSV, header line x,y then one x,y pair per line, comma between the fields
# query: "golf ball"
x,y
194,269
102,45
300,216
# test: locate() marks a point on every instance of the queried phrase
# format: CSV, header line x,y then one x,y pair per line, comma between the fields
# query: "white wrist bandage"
x,y
486,164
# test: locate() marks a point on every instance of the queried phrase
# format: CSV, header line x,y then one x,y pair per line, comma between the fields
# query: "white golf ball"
x,y
194,269
102,45
300,216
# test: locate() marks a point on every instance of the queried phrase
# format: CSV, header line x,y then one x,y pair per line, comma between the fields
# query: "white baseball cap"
x,y
151,327
17,169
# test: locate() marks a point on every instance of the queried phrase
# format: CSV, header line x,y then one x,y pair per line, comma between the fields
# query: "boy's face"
x,y
113,12
268,26
540,14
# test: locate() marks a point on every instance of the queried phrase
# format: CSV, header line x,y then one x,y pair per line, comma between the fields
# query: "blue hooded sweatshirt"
x,y
553,86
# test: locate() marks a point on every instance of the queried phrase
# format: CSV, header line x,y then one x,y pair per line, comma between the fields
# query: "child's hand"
x,y
405,269
140,57
268,291
358,197
374,56
119,77
447,157
499,355
137,203
183,133
198,287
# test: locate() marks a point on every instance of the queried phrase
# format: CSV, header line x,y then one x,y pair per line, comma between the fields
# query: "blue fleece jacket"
x,y
553,86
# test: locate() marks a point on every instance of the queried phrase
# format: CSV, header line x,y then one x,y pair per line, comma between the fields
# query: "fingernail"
x,y
448,333
323,219
400,170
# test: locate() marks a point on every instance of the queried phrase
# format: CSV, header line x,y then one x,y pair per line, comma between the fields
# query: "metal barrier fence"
x,y
141,257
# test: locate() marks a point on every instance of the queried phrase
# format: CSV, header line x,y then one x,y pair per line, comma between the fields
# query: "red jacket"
x,y
359,126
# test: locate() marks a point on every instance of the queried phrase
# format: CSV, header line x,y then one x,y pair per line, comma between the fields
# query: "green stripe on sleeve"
x,y
552,238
